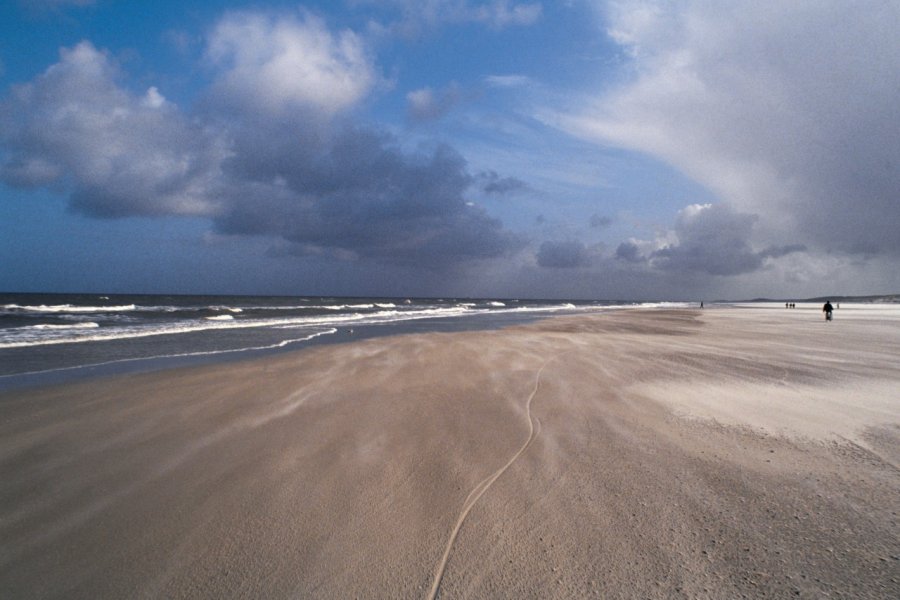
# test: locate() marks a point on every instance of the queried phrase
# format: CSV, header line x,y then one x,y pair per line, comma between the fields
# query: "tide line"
x,y
281,344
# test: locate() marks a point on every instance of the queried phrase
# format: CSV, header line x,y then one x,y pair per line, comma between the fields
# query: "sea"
x,y
57,338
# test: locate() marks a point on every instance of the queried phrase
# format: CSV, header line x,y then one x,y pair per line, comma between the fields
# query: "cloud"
x,y
313,183
708,238
492,183
426,104
416,16
327,187
563,255
600,221
786,110
629,252
502,13
713,239
282,63
508,81
121,153
365,198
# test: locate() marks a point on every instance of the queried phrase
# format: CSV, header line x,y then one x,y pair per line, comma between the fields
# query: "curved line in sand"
x,y
479,490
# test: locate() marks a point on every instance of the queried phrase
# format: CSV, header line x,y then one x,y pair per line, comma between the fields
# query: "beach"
x,y
717,453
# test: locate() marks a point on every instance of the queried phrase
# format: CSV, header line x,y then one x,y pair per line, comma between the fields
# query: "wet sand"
x,y
725,453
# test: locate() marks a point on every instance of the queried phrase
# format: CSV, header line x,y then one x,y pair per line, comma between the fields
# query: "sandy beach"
x,y
724,453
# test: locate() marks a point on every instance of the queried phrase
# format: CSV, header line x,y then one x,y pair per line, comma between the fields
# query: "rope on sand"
x,y
483,486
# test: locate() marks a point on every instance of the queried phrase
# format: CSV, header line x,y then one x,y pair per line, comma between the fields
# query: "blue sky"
x,y
583,149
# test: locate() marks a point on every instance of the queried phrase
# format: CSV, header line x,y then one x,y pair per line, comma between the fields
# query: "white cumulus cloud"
x,y
122,153
280,63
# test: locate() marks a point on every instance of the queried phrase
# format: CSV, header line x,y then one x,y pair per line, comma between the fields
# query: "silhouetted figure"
x,y
787,305
827,309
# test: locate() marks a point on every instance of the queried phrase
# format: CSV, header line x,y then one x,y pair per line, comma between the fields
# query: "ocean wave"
x,y
15,339
233,309
66,308
281,344
80,334
52,326
342,306
655,305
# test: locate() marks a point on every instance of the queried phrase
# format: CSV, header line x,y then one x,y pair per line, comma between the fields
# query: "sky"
x,y
589,149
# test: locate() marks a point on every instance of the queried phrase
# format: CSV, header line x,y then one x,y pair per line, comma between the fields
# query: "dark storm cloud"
x,y
711,238
629,252
786,110
563,255
364,197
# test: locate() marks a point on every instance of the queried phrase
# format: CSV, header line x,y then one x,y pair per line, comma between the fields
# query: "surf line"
x,y
479,490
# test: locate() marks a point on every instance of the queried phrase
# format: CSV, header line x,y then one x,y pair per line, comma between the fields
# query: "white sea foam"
x,y
495,303
343,306
14,339
281,344
74,308
51,326
80,334
67,308
233,309
664,304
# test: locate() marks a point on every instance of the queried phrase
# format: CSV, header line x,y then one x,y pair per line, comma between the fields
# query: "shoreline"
x,y
66,375
347,334
631,453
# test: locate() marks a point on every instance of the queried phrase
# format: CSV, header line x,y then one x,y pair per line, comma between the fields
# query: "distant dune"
x,y
875,299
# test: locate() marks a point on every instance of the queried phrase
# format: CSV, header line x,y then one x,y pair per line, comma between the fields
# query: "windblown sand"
x,y
638,454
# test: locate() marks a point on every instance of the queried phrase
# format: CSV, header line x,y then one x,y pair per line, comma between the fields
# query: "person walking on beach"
x,y
827,309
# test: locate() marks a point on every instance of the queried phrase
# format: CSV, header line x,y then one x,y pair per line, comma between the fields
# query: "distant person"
x,y
786,305
827,309
701,304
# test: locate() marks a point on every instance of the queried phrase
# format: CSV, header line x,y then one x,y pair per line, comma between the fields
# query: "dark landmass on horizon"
x,y
875,298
